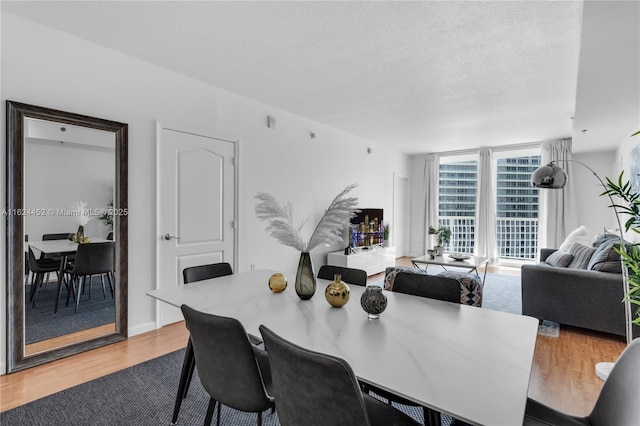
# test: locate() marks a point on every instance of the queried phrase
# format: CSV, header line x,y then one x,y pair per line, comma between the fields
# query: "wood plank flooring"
x,y
563,374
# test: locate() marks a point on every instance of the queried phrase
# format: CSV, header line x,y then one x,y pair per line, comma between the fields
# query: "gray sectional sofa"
x,y
578,297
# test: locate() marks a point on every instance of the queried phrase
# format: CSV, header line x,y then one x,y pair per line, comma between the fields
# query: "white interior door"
x,y
196,175
400,209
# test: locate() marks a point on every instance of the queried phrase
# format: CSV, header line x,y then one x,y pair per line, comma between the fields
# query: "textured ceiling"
x,y
422,76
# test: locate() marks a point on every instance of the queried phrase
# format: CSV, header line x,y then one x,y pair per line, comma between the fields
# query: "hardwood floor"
x,y
563,374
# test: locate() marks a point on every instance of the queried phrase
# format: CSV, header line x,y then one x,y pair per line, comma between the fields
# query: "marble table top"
x,y
469,362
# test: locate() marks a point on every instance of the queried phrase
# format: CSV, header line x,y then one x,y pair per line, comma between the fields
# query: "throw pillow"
x,y
392,271
605,239
581,256
577,236
559,258
606,259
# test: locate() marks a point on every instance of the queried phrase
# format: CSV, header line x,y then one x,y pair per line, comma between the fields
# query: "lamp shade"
x,y
549,176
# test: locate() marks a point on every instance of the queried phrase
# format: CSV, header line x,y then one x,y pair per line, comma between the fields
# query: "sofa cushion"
x,y
581,256
470,286
606,259
559,258
577,236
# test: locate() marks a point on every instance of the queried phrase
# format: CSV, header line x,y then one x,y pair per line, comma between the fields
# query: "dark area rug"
x,y
42,323
137,396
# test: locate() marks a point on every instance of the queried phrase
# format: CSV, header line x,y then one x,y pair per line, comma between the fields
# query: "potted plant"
x,y
629,254
443,236
385,235
107,216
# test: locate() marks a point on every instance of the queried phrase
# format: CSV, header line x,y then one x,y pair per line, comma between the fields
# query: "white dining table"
x,y
471,363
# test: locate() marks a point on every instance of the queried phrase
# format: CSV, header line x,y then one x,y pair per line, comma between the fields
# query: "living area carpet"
x,y
503,293
42,323
137,396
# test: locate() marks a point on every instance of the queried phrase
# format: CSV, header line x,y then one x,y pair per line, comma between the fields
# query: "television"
x,y
366,228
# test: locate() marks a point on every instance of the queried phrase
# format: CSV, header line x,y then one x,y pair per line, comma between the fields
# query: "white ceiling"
x,y
427,76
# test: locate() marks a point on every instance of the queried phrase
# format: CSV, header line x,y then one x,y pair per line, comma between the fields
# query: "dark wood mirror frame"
x,y
16,113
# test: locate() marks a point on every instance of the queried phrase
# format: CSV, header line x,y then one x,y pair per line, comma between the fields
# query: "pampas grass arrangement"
x,y
279,217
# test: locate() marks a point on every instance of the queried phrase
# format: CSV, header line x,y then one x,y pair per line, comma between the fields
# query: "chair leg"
x,y
183,384
431,417
210,409
104,293
259,418
73,279
111,279
32,290
218,418
36,289
80,289
192,368
60,281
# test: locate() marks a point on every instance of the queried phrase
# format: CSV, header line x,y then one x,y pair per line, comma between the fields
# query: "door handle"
x,y
169,237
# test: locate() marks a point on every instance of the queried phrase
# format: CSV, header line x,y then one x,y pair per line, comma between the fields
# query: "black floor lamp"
x,y
552,176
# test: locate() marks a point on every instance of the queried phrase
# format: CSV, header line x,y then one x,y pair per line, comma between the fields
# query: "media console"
x,y
374,260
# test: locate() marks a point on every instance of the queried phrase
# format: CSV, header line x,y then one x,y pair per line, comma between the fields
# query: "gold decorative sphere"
x,y
337,292
277,282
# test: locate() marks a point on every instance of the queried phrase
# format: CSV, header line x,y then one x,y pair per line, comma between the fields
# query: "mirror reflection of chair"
x,y
234,372
318,389
349,275
190,275
92,259
40,268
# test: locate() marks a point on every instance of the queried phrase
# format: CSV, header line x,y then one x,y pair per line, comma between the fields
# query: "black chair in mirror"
x,y
92,259
40,268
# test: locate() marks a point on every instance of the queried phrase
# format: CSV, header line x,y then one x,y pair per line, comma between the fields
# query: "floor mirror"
x,y
66,197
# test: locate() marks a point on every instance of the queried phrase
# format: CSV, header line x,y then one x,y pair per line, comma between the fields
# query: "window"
x,y
457,202
516,202
516,206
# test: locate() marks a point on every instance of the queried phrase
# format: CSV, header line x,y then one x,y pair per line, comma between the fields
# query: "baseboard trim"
x,y
142,328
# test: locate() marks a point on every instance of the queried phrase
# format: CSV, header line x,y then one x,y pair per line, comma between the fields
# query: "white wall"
x,y
593,210
56,176
623,162
45,67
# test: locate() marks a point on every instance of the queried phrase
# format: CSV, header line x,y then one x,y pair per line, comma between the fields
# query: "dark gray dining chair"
x,y
617,403
430,286
40,268
316,389
190,275
205,272
349,275
91,259
234,372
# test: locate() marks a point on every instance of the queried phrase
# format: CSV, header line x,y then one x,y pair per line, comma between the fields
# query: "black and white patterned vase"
x,y
373,301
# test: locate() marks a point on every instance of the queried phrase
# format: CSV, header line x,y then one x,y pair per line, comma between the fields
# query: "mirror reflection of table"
x,y
469,362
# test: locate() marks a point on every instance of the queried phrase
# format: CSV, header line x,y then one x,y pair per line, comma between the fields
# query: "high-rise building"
x,y
516,205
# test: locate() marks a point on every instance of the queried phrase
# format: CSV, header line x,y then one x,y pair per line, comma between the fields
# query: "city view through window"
x,y
516,205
